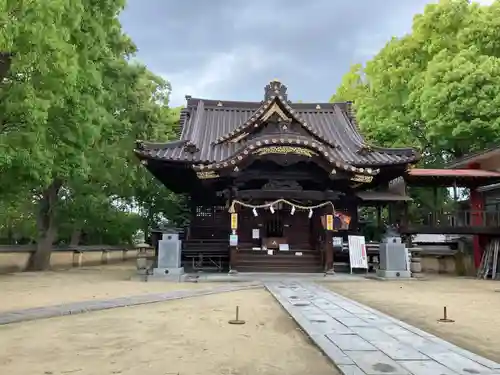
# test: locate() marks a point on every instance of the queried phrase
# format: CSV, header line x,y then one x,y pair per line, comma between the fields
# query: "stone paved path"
x,y
16,316
364,341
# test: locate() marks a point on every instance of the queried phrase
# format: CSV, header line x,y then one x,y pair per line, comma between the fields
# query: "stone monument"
x,y
169,257
393,257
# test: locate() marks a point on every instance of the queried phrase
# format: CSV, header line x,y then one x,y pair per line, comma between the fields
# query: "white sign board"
x,y
357,252
337,241
255,234
233,240
284,247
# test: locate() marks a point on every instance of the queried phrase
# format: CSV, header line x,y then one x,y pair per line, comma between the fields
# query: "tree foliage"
x,y
71,107
438,87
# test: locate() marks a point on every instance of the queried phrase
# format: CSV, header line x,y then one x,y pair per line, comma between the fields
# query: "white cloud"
x,y
220,71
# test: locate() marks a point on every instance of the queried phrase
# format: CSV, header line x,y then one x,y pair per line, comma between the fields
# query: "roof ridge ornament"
x,y
275,88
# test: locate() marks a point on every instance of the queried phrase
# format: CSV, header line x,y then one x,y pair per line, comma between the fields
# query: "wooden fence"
x,y
14,258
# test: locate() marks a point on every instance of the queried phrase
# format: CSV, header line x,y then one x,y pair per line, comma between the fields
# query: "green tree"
x,y
71,109
352,86
17,221
437,87
55,102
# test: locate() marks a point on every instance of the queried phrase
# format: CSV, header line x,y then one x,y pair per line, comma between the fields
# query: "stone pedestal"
x,y
169,258
393,262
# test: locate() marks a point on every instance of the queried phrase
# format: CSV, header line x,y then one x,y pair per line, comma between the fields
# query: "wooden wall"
x,y
210,223
296,228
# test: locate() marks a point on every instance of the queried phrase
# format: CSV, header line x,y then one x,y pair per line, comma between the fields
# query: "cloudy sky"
x,y
230,49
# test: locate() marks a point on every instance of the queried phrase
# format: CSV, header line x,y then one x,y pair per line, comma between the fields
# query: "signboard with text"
x,y
329,222
234,221
357,252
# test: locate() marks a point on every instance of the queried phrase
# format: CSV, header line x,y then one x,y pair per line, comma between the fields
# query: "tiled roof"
x,y
476,157
470,178
418,172
209,128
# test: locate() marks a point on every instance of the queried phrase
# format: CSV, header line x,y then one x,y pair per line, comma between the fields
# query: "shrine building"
x,y
272,184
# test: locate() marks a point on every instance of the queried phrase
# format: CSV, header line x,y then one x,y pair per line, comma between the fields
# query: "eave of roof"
x,y
488,188
382,196
471,173
475,157
293,141
469,178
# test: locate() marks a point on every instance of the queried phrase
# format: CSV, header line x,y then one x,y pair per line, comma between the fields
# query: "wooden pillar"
x,y
406,220
233,250
434,219
477,220
328,243
353,211
477,203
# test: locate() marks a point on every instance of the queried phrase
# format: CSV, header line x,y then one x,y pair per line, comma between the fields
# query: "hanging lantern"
x,y
292,211
310,213
255,212
271,208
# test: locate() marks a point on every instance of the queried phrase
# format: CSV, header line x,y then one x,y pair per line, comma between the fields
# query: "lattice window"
x,y
204,211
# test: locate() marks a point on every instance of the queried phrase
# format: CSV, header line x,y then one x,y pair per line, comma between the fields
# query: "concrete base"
x,y
172,274
393,274
270,276
168,271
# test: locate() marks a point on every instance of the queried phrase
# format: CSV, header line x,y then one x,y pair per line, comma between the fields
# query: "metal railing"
x,y
457,219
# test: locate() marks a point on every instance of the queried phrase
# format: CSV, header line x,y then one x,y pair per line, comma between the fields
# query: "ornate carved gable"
x,y
278,112
275,113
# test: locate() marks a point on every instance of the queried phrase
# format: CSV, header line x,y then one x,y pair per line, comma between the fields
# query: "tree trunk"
x,y
76,236
10,236
149,223
47,228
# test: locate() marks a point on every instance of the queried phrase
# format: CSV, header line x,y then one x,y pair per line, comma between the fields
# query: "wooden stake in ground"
x,y
237,319
445,319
